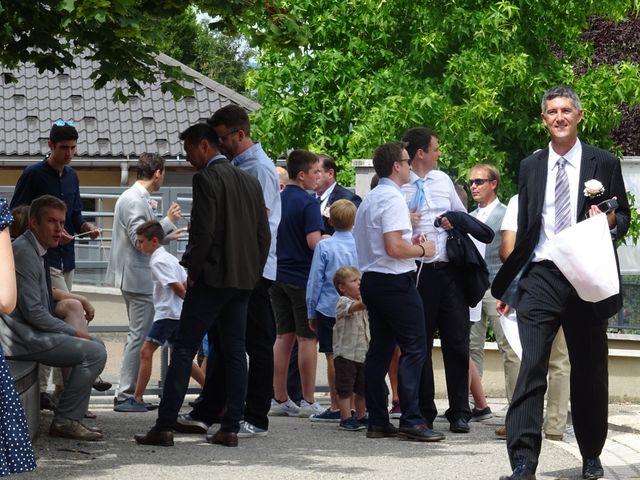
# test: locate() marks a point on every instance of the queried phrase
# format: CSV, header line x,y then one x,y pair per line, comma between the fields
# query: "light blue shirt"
x,y
329,255
256,163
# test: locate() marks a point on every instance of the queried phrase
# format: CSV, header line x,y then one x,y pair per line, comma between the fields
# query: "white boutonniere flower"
x,y
593,188
326,212
153,204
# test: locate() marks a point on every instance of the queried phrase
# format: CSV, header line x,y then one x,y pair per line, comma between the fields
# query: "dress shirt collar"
x,y
327,192
572,157
486,211
41,250
247,154
216,158
389,182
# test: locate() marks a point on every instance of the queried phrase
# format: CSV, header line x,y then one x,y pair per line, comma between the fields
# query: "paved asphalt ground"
x,y
298,449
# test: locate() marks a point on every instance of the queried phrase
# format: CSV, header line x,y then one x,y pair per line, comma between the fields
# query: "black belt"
x,y
435,265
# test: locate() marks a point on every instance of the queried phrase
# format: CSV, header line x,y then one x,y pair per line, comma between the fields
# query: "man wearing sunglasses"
x,y
484,181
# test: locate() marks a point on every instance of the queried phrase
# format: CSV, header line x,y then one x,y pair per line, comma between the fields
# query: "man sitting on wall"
x,y
32,332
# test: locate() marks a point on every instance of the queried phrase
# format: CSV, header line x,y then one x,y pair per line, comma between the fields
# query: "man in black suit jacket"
x,y
328,190
546,300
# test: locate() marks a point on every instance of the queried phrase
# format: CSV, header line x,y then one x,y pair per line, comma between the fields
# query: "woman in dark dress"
x,y
16,452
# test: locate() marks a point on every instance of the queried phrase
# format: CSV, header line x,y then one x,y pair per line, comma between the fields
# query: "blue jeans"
x,y
219,312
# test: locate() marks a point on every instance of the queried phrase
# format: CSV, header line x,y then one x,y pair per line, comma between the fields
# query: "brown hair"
x,y
343,274
151,229
20,222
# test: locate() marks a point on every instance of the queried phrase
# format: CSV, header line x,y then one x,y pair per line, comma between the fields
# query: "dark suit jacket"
x,y
595,164
339,193
229,237
476,274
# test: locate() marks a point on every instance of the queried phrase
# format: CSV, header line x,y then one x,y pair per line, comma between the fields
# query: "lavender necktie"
x,y
562,200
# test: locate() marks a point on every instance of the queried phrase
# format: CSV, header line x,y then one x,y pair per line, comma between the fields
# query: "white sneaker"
x,y
284,409
307,409
250,430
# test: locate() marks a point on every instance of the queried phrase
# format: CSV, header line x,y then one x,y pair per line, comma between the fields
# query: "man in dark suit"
x,y
328,190
228,247
551,199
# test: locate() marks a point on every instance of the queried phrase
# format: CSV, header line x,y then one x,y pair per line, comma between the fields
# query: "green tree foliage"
x,y
345,75
119,34
220,57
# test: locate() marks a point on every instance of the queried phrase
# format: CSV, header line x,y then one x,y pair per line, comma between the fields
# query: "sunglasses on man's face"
x,y
478,181
62,123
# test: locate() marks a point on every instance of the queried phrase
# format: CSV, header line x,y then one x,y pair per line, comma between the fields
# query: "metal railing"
x,y
92,256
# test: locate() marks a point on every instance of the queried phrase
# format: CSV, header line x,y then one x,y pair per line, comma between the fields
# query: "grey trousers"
x,y
86,358
140,311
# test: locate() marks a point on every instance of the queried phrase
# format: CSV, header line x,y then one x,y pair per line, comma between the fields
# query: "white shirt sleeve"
x,y
510,219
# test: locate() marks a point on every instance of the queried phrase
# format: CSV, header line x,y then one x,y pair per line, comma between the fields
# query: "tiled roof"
x,y
151,123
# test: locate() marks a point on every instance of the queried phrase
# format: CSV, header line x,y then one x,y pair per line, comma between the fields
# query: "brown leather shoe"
x,y
501,432
154,437
228,439
91,429
553,437
67,428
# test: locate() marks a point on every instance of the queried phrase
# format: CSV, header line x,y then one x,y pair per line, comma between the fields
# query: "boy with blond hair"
x,y
350,345
330,254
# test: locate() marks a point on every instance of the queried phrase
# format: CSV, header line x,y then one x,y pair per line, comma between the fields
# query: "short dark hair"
x,y
40,204
198,132
60,133
151,229
328,163
300,161
561,91
148,164
418,138
234,117
385,156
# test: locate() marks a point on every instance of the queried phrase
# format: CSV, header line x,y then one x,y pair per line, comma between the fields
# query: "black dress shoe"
x,y
228,439
154,437
459,426
592,468
381,431
521,472
101,386
421,433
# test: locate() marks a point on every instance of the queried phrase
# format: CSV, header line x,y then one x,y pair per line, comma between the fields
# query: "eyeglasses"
x,y
62,123
478,181
223,137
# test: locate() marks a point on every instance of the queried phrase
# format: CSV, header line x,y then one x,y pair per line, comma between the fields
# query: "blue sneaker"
x,y
130,405
327,416
364,420
351,425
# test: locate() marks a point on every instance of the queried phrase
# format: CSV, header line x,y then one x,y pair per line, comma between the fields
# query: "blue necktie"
x,y
563,199
418,199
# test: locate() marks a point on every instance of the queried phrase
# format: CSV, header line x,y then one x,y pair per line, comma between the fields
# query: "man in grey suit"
x,y
129,268
484,180
32,332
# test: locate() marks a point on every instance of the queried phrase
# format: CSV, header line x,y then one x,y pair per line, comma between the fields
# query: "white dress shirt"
x,y
383,210
572,168
441,197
